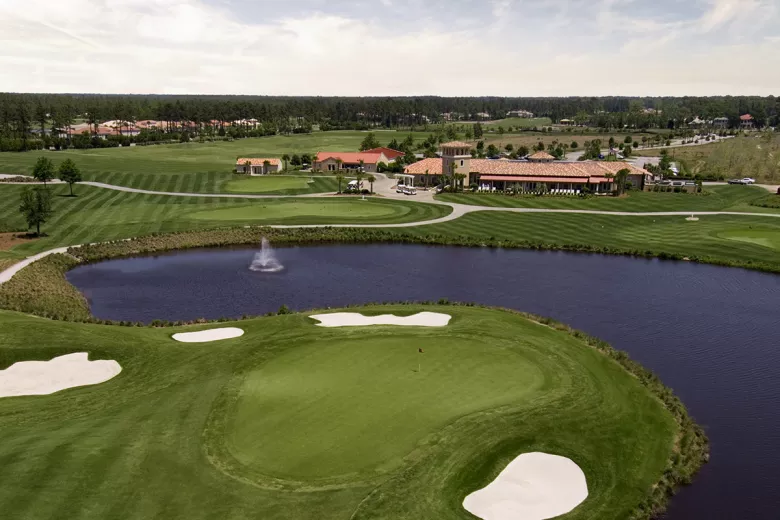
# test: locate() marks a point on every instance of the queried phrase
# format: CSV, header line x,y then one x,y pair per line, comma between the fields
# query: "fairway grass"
x,y
292,420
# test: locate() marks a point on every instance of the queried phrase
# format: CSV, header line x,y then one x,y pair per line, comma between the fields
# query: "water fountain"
x,y
265,261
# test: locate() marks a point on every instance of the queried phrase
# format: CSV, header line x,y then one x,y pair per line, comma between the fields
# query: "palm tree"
x,y
459,177
248,167
621,176
266,166
426,180
371,179
360,176
339,162
339,178
285,158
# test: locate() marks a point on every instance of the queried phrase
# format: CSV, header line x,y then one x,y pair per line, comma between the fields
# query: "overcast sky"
x,y
392,47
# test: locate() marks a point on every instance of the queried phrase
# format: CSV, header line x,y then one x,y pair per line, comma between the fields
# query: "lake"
x,y
710,333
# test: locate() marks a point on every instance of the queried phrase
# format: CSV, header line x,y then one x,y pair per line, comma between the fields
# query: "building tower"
x,y
456,155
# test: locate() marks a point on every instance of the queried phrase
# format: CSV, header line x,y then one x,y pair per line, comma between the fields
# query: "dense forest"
x,y
26,119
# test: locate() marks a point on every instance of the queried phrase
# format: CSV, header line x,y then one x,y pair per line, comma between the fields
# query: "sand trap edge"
x,y
31,378
206,336
355,319
534,486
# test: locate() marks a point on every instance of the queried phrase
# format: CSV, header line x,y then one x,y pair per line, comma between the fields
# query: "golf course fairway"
x,y
296,421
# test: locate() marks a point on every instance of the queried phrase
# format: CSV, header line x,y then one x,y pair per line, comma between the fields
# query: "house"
x,y
721,122
597,176
746,122
541,157
482,115
335,161
566,122
696,122
258,165
391,154
520,113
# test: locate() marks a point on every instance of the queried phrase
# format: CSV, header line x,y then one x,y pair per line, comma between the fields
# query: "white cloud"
x,y
189,46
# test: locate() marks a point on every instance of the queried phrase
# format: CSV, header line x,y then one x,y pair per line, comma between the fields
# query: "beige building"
x,y
337,161
258,165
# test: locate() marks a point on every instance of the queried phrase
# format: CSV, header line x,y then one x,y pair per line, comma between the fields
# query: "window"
x,y
461,162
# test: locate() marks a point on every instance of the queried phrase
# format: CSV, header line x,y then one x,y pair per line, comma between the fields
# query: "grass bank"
x,y
133,444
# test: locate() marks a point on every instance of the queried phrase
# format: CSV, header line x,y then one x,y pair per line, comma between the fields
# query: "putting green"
x,y
292,420
282,184
335,386
761,237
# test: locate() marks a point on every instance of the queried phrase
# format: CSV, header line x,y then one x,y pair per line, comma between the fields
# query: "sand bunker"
x,y
204,336
354,319
47,377
534,486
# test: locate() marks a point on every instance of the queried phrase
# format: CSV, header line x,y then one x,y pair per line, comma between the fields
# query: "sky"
x,y
392,47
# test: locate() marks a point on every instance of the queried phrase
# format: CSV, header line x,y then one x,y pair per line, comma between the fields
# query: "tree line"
x,y
24,116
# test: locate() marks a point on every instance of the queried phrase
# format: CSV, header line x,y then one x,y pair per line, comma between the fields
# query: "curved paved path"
x,y
383,184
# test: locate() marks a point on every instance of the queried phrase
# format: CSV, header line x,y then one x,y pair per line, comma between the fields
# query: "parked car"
x,y
748,180
736,181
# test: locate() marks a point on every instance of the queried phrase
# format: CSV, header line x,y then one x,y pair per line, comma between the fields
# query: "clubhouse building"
x,y
258,165
524,175
365,161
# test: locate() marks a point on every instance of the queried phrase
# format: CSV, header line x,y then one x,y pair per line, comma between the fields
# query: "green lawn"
x,y
98,214
715,198
521,122
712,237
295,421
191,167
761,237
283,184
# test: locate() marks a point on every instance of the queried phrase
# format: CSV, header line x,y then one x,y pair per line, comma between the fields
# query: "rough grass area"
x,y
41,289
757,156
283,184
134,446
714,198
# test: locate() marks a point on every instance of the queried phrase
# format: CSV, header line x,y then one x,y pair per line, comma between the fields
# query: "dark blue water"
x,y
710,333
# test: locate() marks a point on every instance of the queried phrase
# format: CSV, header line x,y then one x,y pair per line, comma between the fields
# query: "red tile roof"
x,y
350,157
389,152
456,144
541,155
579,169
512,178
257,161
746,117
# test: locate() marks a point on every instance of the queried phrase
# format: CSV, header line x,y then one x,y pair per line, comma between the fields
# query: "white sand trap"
x,y
534,486
47,377
354,319
204,336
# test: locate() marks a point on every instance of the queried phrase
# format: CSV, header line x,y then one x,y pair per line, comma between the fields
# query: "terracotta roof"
x,y
746,117
512,178
579,169
432,165
456,144
541,155
257,161
389,152
350,157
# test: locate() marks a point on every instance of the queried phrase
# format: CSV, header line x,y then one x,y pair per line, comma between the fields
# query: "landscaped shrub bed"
x,y
770,201
41,288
